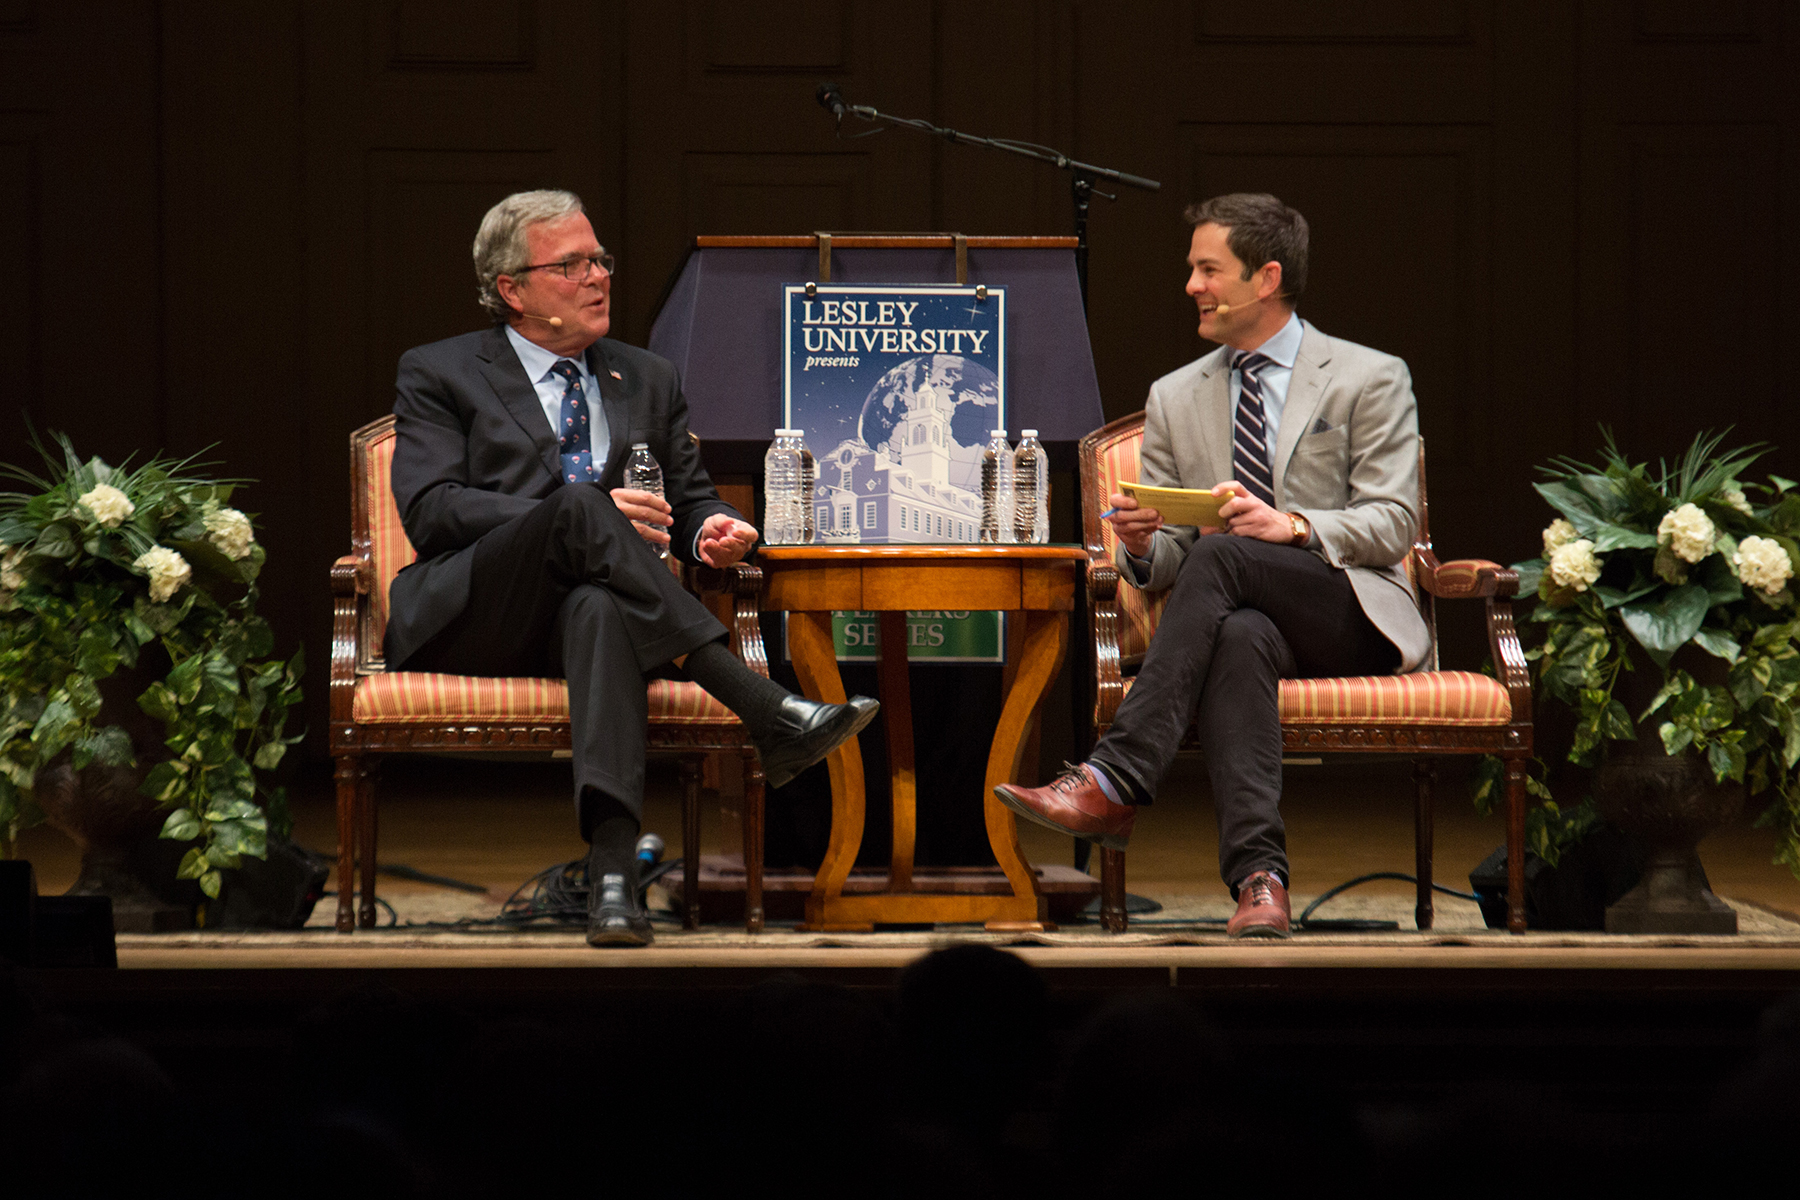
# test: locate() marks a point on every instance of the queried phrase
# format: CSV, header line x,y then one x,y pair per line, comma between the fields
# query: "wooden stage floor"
x,y
497,825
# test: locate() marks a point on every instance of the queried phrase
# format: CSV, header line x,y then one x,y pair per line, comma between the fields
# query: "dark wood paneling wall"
x,y
221,223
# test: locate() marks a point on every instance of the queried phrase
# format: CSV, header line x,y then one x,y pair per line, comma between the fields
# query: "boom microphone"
x,y
554,322
831,100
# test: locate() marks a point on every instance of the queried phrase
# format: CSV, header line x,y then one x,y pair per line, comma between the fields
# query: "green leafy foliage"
x,y
1652,595
79,602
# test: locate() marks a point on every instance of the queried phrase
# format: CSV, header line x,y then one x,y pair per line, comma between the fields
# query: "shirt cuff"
x,y
1140,568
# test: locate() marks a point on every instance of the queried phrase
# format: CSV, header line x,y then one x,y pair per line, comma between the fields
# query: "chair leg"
x,y
1112,890
1424,779
754,795
349,777
690,842
365,840
1515,845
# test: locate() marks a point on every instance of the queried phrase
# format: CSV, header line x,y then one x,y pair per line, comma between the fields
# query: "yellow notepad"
x,y
1179,506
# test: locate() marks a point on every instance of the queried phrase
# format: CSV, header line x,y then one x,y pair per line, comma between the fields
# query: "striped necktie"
x,y
1250,432
575,445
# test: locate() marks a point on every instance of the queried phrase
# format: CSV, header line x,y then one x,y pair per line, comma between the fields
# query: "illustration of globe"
x,y
970,387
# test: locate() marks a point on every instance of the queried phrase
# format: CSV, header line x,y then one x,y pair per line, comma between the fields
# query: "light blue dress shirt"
x,y
550,387
1282,351
537,362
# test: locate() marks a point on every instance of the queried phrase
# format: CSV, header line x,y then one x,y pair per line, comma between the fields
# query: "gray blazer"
x,y
473,451
1346,458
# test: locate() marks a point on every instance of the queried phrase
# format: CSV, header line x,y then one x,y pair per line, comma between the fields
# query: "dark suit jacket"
x,y
473,451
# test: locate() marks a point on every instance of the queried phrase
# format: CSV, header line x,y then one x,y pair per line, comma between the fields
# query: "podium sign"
x,y
895,391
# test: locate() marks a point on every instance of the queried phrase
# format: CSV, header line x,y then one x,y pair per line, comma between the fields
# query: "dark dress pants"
x,y
1243,615
571,589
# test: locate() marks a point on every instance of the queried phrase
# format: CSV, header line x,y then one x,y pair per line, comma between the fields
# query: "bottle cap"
x,y
1027,433
997,433
640,445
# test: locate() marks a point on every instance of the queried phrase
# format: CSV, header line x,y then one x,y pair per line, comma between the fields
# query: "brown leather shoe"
x,y
1262,908
1073,803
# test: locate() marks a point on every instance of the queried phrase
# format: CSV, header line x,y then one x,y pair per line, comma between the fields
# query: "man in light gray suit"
x,y
1317,440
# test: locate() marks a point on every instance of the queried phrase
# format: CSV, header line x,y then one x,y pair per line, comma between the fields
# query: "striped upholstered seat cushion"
x,y
407,696
1424,698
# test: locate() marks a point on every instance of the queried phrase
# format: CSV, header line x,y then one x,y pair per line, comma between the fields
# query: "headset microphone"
x,y
1225,310
554,322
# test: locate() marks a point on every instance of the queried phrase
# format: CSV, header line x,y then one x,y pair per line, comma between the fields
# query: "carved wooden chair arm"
x,y
349,592
1465,578
350,576
1103,620
743,582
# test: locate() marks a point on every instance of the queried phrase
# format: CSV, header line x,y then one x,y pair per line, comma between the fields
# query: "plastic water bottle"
x,y
996,489
644,473
809,476
1031,490
781,487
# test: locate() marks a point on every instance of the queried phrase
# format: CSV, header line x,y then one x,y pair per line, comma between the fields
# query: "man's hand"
x,y
1247,516
724,540
1133,525
649,512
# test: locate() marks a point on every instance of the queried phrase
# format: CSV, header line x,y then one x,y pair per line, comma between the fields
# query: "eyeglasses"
x,y
575,269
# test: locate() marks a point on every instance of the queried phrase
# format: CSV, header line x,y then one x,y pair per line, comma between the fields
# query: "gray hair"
x,y
500,247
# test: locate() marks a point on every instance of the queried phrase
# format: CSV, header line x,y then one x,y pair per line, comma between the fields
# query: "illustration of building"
x,y
900,492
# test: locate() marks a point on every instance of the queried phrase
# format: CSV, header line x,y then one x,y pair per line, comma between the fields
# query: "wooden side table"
x,y
810,582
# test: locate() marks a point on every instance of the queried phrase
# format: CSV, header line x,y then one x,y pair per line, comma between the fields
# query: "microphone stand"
x,y
1082,176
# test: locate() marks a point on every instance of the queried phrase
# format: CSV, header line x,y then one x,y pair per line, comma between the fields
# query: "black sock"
x,y
755,699
612,833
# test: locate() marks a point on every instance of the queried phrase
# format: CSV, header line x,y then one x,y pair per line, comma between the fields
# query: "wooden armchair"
x,y
376,712
1421,715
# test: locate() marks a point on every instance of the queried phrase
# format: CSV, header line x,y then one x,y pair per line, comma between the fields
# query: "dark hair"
x,y
1261,230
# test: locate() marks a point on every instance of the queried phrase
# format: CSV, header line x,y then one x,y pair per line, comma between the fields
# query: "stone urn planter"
x,y
114,825
1668,803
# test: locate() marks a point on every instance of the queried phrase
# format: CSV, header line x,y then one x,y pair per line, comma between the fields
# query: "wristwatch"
x,y
1302,530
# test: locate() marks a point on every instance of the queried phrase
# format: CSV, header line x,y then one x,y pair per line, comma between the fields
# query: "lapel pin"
x,y
616,375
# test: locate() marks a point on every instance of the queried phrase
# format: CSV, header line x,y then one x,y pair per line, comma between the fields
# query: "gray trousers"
x,y
1243,615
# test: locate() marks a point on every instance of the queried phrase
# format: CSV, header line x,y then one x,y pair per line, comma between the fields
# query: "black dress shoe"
x,y
806,731
614,918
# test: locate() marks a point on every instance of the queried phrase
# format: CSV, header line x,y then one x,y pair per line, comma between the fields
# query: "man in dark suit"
x,y
509,458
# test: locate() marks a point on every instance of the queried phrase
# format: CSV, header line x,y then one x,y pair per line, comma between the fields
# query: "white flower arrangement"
x,y
110,506
1688,531
229,530
1575,565
1760,562
1694,569
168,571
1557,534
